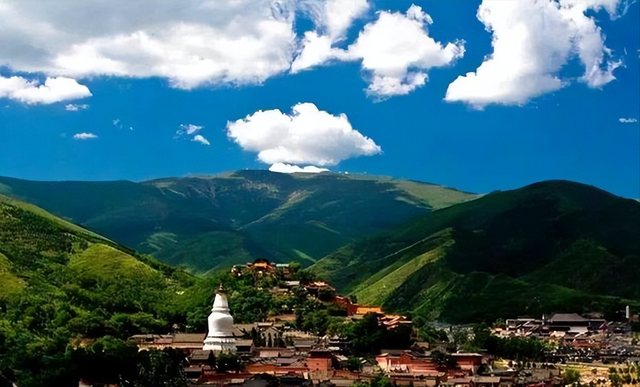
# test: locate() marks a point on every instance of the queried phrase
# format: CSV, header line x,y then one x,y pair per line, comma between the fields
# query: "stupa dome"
x,y
220,323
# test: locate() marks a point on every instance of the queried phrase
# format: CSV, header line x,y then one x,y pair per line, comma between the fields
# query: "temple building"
x,y
220,336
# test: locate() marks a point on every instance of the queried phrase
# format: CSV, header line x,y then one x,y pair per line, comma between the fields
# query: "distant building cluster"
x,y
272,353
584,338
261,267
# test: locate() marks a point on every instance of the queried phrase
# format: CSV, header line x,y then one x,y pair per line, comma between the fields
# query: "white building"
x,y
220,336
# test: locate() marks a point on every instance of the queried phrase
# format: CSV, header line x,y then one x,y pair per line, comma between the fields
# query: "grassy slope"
x,y
549,246
40,253
205,223
10,284
102,263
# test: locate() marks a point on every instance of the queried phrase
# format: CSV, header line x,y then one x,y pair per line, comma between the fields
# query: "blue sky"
x,y
504,132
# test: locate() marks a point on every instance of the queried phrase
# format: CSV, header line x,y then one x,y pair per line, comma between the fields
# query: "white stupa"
x,y
220,335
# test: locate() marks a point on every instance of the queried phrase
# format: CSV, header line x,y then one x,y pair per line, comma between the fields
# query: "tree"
x,y
459,336
615,379
571,376
294,267
381,381
481,334
354,364
326,294
443,360
161,368
365,335
432,335
227,361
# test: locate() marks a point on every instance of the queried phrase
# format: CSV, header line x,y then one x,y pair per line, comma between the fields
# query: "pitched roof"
x,y
189,338
487,379
567,317
467,354
244,327
244,343
392,352
200,355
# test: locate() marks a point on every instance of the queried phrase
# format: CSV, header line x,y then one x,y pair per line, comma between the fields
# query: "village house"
x,y
406,362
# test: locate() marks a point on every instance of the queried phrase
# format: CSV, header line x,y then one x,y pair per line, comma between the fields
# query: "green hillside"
x,y
550,246
203,223
60,284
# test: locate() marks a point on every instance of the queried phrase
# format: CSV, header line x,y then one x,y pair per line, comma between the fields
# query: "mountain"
x,y
204,223
550,246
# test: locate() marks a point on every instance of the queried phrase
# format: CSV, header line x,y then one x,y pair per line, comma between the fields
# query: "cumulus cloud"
x,y
31,92
396,51
532,41
307,136
288,168
200,139
628,120
75,107
191,43
84,136
216,42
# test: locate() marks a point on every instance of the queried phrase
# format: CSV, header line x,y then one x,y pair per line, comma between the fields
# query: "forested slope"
x,y
61,284
550,246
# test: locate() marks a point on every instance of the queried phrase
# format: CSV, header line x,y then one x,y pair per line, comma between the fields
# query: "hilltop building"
x,y
262,267
220,337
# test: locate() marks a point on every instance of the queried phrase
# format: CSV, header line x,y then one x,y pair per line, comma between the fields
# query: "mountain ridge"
x,y
516,245
239,215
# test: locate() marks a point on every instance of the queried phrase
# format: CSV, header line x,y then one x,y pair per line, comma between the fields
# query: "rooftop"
x,y
189,338
567,317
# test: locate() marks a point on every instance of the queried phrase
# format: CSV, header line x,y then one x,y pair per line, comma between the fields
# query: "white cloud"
x,y
31,92
84,136
188,129
288,168
332,19
628,120
191,43
75,107
396,50
200,139
317,50
532,41
339,15
117,123
306,136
